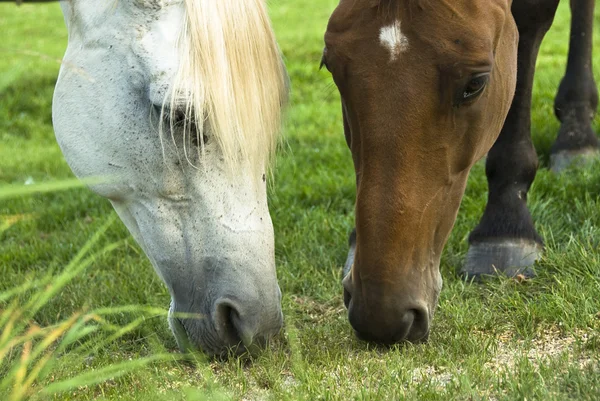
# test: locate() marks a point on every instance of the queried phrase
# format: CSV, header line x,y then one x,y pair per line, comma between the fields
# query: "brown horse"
x,y
428,88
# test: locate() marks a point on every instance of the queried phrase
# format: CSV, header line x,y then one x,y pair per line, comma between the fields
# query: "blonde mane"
x,y
231,79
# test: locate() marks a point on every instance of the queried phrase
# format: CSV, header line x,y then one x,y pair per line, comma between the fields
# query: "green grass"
x,y
502,339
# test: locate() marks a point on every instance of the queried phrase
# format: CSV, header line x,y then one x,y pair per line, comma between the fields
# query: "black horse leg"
x,y
577,97
505,241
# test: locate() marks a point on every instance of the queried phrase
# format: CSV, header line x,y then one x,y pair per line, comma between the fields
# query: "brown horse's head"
x,y
425,88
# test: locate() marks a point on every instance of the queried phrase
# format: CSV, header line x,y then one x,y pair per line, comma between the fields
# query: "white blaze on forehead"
x,y
392,38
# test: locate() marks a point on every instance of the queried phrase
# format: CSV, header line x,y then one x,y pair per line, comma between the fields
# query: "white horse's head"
x,y
177,103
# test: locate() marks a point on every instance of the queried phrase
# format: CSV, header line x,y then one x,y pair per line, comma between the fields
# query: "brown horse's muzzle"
x,y
389,314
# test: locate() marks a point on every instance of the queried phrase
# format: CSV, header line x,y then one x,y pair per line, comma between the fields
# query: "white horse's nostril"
x,y
231,324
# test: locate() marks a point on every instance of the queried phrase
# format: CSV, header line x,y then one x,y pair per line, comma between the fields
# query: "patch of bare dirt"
x,y
549,344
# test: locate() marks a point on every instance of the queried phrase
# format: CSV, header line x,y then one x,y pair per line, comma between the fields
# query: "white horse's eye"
x,y
157,4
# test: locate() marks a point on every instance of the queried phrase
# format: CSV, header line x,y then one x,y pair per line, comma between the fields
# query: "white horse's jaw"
x,y
208,233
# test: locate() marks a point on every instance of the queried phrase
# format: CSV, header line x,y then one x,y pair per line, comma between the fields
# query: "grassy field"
x,y
503,339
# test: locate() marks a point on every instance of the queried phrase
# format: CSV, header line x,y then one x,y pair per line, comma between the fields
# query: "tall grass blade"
x,y
103,374
23,288
14,191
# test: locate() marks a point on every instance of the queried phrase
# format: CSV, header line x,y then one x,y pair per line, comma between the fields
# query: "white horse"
x,y
177,103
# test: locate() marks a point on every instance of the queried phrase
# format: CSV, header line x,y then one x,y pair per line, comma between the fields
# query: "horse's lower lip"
x,y
186,346
423,339
420,340
210,345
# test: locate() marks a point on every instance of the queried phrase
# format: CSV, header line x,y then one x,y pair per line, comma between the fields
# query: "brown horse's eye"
x,y
475,87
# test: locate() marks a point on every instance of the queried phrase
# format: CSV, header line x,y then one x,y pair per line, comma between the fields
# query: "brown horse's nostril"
x,y
347,298
419,329
347,285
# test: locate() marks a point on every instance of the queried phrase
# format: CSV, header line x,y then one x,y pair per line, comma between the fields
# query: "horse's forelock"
x,y
232,79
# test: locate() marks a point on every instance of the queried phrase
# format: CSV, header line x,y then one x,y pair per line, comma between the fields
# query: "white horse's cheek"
x,y
179,236
97,131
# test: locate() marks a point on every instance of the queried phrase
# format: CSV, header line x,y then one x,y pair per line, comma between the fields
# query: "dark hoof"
x,y
564,159
509,258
